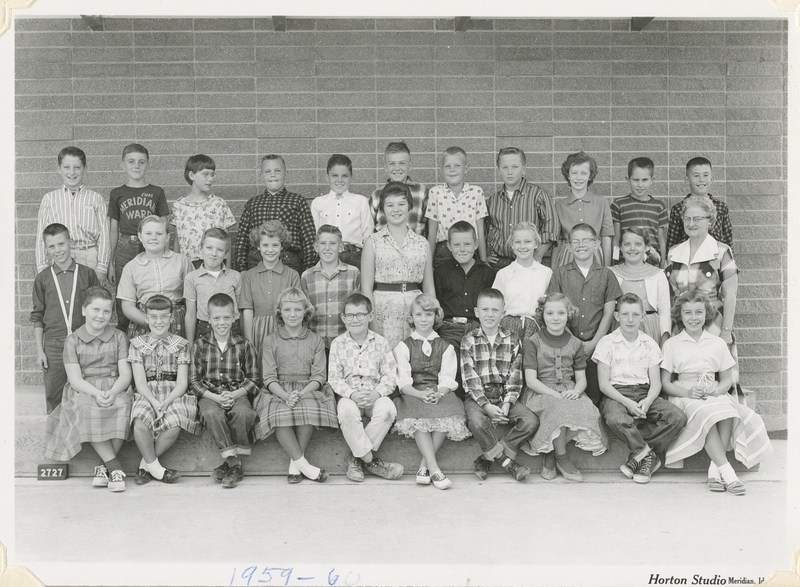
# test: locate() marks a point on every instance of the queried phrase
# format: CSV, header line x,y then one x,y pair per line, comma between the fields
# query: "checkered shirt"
x,y
211,370
722,231
353,367
491,373
327,295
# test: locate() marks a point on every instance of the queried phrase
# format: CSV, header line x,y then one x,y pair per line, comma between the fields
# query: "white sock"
x,y
156,470
142,464
713,471
728,474
307,468
293,470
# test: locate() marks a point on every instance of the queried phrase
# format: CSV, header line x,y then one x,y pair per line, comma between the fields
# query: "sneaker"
x,y
117,482
568,470
235,474
481,467
170,476
423,476
716,485
736,487
630,467
355,469
517,471
386,470
100,476
647,466
549,466
440,481
143,476
220,472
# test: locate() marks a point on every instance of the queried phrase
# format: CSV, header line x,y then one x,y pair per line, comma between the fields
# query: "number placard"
x,y
52,472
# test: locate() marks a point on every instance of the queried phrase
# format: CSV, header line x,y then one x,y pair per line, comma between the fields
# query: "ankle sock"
x,y
713,471
506,461
728,474
156,469
307,468
293,470
142,464
113,465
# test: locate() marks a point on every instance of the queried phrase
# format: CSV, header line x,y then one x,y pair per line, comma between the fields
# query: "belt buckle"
x,y
459,319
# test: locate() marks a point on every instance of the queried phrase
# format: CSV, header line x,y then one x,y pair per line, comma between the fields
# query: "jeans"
x,y
359,438
592,386
125,252
525,425
55,376
231,429
663,424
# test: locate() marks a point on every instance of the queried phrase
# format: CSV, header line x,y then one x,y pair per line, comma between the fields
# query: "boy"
x,y
81,210
127,205
362,371
398,165
518,201
277,203
629,376
223,376
349,212
491,367
453,201
699,178
641,209
328,283
200,210
211,278
56,292
594,291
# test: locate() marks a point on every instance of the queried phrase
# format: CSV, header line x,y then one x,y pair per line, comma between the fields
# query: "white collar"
x,y
707,250
683,335
417,336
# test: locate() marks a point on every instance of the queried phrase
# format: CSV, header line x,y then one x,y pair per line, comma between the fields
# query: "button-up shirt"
x,y
215,371
144,277
350,212
356,367
529,202
327,294
446,208
628,362
200,285
722,230
47,312
522,287
458,290
591,209
491,372
416,216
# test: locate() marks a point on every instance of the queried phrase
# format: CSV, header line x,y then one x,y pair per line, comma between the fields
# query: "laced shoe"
x,y
143,476
423,476
386,470
100,476
235,474
630,467
355,470
220,472
440,481
517,471
647,466
481,467
170,476
117,482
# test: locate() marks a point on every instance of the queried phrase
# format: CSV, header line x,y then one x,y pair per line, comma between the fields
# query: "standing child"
x,y
295,398
554,373
156,271
276,203
262,284
582,206
222,376
427,410
641,210
160,365
398,166
339,207
629,377
200,210
452,201
96,407
210,278
328,283
56,292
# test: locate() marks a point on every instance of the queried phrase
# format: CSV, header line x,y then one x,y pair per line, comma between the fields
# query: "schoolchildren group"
x,y
430,313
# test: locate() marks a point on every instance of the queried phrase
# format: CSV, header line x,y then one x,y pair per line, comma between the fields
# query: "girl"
x,y
160,365
581,205
156,271
427,408
97,399
263,284
648,282
296,397
523,282
556,379
696,375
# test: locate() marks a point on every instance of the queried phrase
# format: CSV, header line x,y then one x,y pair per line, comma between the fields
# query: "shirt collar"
x,y
573,266
143,259
203,271
284,334
69,191
370,336
233,339
72,267
707,250
617,336
147,343
417,336
502,333
342,266
105,336
278,268
682,335
710,197
333,194
519,189
281,192
587,197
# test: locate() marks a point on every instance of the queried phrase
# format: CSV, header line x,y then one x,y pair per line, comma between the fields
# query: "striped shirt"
x,y
491,372
529,203
327,295
416,216
85,214
650,215
722,230
215,371
446,208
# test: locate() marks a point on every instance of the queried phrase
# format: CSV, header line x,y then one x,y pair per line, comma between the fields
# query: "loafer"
x,y
220,472
481,467
143,476
170,476
235,474
549,466
423,476
294,478
716,485
736,487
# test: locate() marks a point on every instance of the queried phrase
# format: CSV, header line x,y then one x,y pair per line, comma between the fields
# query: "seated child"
x,y
362,371
696,375
96,405
56,292
212,277
554,374
328,283
491,367
160,365
397,158
427,410
222,376
628,373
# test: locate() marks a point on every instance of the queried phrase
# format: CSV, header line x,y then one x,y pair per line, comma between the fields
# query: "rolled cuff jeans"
x,y
231,429
526,423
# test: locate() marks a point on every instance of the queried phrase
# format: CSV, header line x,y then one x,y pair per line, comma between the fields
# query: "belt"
x,y
164,376
651,312
83,247
128,238
457,319
403,287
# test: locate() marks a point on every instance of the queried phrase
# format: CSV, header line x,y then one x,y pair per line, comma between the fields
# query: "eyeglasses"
x,y
584,241
211,174
158,317
360,316
694,219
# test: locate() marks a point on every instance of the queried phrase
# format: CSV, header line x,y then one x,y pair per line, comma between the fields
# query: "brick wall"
x,y
236,89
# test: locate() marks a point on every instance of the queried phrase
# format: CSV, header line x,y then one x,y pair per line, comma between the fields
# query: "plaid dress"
x,y
293,362
160,358
79,419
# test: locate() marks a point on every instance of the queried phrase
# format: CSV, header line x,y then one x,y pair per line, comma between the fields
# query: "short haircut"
x,y
271,228
294,294
396,188
526,225
135,148
426,303
461,226
490,293
218,233
339,159
629,298
357,299
329,229
583,226
158,303
96,293
454,151
220,300
149,219
691,297
397,147
579,158
638,231
54,229
196,164
696,162
273,158
641,163
554,297
72,152
511,151
704,204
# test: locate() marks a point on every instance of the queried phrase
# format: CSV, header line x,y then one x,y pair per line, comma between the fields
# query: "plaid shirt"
x,y
327,295
491,373
353,367
722,231
292,210
213,371
530,203
416,216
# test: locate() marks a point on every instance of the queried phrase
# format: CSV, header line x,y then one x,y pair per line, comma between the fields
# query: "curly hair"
x,y
271,228
555,296
578,159
294,294
704,204
691,297
426,303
